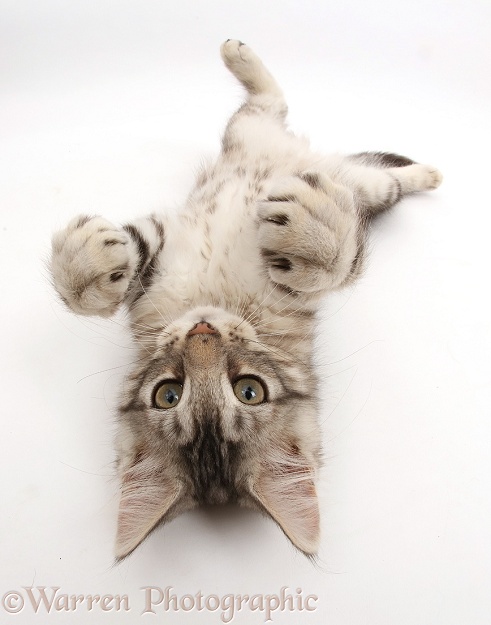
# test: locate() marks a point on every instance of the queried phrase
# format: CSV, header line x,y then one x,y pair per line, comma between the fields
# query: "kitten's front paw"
x,y
92,264
308,234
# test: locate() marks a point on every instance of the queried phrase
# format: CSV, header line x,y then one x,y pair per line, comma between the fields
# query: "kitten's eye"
x,y
168,394
249,391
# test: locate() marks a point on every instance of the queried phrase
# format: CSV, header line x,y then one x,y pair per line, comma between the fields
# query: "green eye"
x,y
167,394
249,391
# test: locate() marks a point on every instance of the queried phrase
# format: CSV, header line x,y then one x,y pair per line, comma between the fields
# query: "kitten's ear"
x,y
147,496
285,490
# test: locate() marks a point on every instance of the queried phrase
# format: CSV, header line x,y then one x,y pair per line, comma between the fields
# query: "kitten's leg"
x,y
247,67
96,266
312,232
264,93
264,96
380,180
310,235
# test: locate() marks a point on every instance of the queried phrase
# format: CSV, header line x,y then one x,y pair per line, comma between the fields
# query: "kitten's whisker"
x,y
243,308
283,331
285,352
159,312
356,415
104,338
326,318
147,330
256,309
302,339
335,362
133,336
240,307
236,308
127,364
98,324
87,472
292,312
131,321
271,321
146,333
331,375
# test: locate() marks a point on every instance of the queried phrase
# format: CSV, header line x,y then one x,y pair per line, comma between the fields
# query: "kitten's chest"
x,y
211,251
213,244
211,257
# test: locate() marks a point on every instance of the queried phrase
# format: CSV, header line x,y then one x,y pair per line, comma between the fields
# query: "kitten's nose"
x,y
203,327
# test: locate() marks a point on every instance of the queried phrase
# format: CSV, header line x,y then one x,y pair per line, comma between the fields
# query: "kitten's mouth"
x,y
203,327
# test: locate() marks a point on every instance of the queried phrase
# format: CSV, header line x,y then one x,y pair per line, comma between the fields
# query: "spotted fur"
x,y
267,231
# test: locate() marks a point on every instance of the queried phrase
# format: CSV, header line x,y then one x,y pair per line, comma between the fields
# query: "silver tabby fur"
x,y
267,231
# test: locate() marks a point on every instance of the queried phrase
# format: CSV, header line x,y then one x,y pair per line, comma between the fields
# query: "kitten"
x,y
222,405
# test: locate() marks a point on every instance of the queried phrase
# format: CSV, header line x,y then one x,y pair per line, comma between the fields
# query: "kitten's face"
x,y
215,416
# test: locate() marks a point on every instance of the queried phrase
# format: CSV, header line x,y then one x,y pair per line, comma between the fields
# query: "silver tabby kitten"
x,y
222,405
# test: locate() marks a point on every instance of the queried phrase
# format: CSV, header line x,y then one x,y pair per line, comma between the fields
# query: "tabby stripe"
x,y
142,245
82,221
361,236
210,459
382,159
312,180
282,198
149,271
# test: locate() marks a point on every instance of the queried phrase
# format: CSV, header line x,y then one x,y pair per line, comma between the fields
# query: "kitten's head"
x,y
215,416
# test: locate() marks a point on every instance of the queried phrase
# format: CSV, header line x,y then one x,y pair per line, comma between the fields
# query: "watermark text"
x,y
155,600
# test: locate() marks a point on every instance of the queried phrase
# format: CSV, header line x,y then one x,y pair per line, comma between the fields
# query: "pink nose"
x,y
203,327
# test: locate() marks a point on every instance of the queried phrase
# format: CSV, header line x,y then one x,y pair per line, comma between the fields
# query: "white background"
x,y
107,107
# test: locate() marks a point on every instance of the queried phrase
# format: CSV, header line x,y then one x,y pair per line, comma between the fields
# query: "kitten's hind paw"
x,y
247,67
433,177
418,177
234,51
242,62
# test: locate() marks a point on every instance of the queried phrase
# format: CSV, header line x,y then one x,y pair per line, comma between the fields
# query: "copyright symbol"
x,y
12,602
